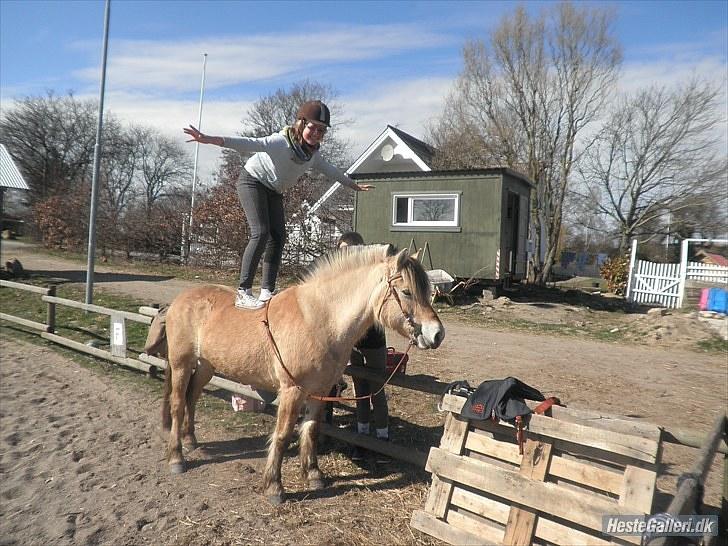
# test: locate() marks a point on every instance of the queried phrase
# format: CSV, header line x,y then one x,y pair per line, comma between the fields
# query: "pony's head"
x,y
406,304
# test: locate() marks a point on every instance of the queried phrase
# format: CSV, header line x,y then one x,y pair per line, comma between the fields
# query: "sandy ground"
x,y
82,459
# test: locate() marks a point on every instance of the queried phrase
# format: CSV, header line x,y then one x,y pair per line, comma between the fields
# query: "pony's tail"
x,y
166,392
156,344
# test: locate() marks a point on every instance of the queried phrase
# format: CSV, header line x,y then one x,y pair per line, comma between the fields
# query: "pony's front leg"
x,y
308,433
289,404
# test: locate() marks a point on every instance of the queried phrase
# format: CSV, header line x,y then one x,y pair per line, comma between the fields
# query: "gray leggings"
x,y
374,359
264,210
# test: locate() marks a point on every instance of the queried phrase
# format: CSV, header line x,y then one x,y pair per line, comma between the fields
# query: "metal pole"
x,y
197,151
97,162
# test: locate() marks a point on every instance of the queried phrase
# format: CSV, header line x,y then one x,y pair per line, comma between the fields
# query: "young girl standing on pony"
x,y
279,161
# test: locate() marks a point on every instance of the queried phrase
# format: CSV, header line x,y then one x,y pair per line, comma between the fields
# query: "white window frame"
x,y
423,196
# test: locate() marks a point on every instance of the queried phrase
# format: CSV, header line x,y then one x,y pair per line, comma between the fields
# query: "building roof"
x,y
460,173
423,150
713,258
394,150
10,176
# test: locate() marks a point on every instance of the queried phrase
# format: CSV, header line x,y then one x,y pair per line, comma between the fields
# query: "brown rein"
x,y
410,321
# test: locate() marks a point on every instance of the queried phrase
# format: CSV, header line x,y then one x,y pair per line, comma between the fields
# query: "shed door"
x,y
510,238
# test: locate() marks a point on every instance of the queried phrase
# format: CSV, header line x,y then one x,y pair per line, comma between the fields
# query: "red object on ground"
x,y
393,358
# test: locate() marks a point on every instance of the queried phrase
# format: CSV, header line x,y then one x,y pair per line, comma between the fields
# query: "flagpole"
x,y
197,152
97,163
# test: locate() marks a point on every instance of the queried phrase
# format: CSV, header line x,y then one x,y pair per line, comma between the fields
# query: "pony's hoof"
x,y
276,499
176,468
316,484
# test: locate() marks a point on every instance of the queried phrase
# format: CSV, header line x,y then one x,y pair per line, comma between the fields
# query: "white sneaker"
x,y
246,300
265,294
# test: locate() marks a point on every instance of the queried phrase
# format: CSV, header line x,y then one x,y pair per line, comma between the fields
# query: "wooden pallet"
x,y
576,467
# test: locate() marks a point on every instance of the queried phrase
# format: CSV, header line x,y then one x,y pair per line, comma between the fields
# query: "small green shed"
x,y
474,221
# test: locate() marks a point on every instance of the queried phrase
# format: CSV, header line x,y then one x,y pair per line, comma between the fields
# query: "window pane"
x,y
401,210
433,210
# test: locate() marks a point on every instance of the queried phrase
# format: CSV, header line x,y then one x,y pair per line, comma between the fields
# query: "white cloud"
x,y
408,105
672,71
219,117
233,60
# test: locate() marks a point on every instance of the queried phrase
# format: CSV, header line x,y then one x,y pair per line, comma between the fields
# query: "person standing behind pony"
x,y
279,161
371,352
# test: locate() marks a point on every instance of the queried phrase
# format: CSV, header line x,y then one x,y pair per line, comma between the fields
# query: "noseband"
x,y
391,291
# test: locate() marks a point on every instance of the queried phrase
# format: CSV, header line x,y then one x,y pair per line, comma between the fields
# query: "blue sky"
x,y
392,62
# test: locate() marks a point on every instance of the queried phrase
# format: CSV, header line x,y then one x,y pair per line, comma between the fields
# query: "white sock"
x,y
362,428
383,433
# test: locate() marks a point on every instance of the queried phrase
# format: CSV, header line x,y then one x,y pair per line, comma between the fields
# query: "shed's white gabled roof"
x,y
393,151
405,154
10,176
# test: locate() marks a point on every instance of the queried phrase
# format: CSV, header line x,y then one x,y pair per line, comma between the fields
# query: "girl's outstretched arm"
x,y
197,136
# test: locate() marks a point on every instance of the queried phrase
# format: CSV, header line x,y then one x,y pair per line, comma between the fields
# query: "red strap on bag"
x,y
545,406
541,409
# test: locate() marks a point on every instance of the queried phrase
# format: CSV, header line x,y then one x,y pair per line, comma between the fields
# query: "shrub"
x,y
616,271
62,219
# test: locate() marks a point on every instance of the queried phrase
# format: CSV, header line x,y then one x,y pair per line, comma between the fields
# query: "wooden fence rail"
x,y
149,364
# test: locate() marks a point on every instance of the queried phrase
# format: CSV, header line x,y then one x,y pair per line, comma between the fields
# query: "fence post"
x,y
632,257
683,271
51,315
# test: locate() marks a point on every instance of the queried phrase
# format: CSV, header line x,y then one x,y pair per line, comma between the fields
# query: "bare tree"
x,y
52,140
162,164
656,162
527,96
118,171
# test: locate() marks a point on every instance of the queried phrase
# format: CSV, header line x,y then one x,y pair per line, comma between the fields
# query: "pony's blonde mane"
x,y
355,256
345,260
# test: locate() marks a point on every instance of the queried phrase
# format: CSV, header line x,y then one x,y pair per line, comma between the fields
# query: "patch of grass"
x,y
474,316
76,324
715,344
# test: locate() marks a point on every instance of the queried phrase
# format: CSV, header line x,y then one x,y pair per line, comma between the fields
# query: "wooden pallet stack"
x,y
576,468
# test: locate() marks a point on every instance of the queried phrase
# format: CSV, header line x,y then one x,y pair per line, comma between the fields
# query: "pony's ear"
x,y
416,255
402,259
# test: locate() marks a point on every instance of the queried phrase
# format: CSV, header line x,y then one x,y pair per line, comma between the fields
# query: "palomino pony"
x,y
298,346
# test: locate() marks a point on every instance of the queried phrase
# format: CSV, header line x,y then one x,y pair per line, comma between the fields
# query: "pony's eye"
x,y
406,292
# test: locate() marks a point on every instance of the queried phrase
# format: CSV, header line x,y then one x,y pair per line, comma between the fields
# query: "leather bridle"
x,y
391,291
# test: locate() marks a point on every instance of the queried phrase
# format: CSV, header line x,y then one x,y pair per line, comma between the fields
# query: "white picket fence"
x,y
664,284
707,272
655,283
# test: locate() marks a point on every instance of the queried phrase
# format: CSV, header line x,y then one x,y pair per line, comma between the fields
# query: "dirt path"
x,y
81,462
154,288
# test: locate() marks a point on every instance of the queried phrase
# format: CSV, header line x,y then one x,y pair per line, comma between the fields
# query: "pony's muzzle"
x,y
431,335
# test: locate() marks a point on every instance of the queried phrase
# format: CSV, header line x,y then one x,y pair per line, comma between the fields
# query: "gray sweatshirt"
x,y
275,163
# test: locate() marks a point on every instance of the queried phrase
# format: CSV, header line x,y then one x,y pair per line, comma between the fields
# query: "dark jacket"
x,y
502,398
